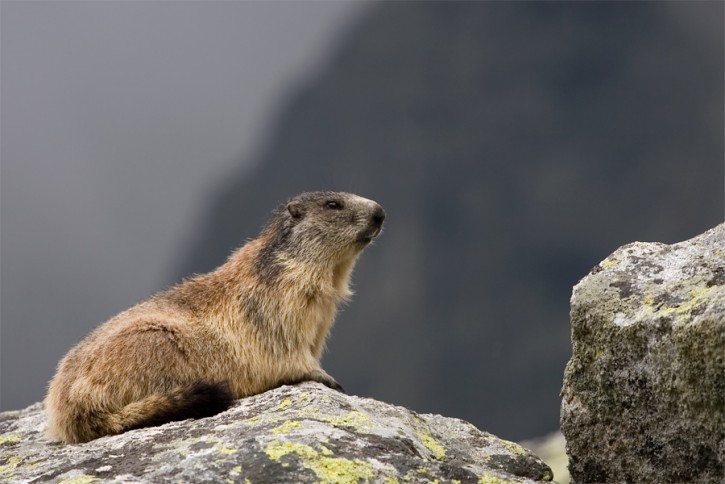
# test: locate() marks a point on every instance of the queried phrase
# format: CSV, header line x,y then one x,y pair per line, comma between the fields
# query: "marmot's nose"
x,y
378,216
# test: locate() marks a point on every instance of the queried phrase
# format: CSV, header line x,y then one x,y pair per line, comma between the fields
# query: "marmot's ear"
x,y
296,209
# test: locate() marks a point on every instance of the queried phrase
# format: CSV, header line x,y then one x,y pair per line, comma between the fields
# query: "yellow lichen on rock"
x,y
492,479
79,480
7,469
9,439
284,404
252,420
512,446
327,469
609,262
286,427
423,431
355,419
438,451
276,450
227,451
698,296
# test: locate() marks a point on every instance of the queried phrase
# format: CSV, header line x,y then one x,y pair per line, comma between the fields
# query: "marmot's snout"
x,y
375,224
378,216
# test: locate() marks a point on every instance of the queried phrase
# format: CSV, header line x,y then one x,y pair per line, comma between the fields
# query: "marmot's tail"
x,y
195,400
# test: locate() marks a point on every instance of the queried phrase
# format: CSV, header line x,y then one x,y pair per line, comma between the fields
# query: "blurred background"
x,y
514,145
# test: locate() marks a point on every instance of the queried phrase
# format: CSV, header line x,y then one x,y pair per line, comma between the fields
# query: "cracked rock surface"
x,y
303,433
644,392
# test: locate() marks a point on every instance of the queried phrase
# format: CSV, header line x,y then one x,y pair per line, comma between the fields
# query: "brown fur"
x,y
256,322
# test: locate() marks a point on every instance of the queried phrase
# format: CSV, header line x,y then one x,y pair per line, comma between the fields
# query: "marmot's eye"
x,y
333,205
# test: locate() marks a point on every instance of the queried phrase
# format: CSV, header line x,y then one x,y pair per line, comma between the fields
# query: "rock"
x,y
304,433
644,391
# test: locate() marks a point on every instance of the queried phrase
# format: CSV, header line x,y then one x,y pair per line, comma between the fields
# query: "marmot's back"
x,y
256,322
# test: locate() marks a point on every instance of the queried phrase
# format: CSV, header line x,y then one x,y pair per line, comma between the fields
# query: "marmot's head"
x,y
323,227
331,223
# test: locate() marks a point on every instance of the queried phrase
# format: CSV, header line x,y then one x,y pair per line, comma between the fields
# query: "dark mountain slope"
x,y
514,145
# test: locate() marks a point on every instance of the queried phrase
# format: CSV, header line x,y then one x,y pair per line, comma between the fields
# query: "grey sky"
x,y
117,117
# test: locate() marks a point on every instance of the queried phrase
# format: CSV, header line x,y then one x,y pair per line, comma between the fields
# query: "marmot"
x,y
258,321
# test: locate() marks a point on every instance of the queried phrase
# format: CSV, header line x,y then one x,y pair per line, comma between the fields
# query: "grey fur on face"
x,y
321,225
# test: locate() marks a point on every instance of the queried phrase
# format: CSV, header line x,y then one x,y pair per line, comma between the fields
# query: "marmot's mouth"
x,y
375,226
368,235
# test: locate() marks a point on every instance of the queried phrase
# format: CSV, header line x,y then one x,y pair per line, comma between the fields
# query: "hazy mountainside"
x,y
513,145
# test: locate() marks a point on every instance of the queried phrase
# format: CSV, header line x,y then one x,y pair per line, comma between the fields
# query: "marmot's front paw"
x,y
321,376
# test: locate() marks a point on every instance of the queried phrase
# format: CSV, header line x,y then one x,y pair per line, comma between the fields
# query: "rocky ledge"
x,y
644,391
304,433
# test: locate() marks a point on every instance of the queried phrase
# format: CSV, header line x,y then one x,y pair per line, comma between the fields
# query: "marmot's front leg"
x,y
321,376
